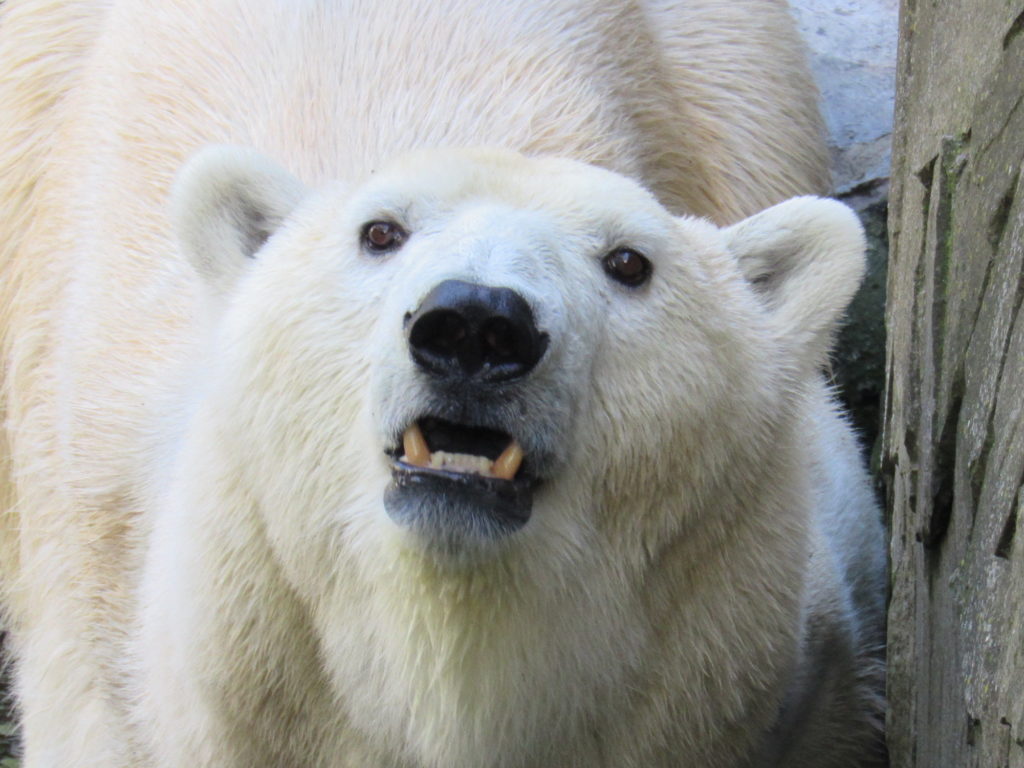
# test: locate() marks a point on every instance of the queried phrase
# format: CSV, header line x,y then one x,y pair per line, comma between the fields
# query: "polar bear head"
x,y
475,351
503,425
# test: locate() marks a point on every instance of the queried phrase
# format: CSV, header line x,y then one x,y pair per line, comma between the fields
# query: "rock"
x,y
852,49
858,363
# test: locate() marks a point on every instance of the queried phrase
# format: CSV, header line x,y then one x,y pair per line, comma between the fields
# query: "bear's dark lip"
x,y
454,507
524,479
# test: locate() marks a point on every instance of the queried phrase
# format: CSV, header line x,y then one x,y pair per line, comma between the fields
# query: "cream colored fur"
x,y
194,561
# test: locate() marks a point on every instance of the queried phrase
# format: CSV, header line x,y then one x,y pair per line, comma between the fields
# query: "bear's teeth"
x,y
416,451
461,462
506,465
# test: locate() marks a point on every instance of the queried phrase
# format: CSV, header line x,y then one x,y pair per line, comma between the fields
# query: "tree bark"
x,y
953,432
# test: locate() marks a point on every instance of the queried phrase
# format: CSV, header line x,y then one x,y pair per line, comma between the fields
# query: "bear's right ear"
x,y
226,202
805,258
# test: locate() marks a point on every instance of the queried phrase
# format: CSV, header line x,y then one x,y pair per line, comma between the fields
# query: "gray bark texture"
x,y
953,432
8,727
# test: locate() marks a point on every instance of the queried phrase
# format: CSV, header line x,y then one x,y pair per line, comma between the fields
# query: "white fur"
x,y
200,424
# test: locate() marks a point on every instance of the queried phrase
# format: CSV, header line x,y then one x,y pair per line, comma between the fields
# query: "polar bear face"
x,y
475,352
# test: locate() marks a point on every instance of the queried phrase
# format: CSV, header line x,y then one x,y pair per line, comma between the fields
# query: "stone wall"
x,y
852,49
953,440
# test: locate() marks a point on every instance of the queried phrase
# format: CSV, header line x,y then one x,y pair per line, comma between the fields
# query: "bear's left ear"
x,y
226,202
806,258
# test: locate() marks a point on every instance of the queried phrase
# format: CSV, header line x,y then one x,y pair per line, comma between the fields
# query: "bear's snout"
x,y
471,331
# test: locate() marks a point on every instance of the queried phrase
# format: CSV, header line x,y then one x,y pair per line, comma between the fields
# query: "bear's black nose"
x,y
475,331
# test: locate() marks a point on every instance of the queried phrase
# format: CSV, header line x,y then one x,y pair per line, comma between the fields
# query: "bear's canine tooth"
x,y
416,451
506,465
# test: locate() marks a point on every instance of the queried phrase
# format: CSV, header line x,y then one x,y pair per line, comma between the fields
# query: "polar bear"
x,y
110,329
502,464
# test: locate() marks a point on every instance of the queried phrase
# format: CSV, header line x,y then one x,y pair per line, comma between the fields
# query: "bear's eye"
x,y
382,236
627,266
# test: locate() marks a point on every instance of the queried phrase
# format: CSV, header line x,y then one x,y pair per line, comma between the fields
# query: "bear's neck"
x,y
465,664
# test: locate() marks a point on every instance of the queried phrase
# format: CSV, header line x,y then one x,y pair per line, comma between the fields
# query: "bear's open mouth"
x,y
455,482
431,443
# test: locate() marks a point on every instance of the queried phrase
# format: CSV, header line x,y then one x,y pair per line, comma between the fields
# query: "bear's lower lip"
x,y
457,505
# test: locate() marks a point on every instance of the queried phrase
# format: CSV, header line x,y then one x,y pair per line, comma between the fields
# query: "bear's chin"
x,y
455,510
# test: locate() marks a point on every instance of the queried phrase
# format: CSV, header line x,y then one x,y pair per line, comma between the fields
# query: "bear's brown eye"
x,y
627,266
382,236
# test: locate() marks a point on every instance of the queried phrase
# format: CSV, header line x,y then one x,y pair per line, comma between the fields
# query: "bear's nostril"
x,y
454,329
438,333
474,331
499,338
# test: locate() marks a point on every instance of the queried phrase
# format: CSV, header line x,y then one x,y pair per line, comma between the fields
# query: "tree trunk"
x,y
953,434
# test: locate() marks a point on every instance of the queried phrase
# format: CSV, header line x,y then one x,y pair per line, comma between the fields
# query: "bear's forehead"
x,y
564,189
